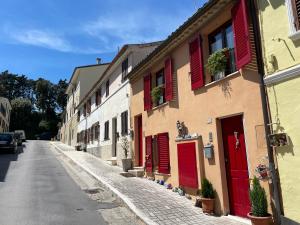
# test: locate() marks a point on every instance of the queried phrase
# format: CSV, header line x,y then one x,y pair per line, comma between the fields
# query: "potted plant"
x,y
259,205
156,94
217,62
207,196
126,162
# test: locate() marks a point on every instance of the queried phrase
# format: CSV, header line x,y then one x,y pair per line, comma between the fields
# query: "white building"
x,y
82,80
5,109
104,111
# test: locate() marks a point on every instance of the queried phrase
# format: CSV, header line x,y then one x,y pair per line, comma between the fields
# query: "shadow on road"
x,y
6,158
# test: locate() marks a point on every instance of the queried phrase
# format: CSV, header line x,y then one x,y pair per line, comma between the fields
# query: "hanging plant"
x,y
217,61
155,94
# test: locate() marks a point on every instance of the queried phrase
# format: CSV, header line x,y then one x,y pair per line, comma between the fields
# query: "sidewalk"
x,y
152,203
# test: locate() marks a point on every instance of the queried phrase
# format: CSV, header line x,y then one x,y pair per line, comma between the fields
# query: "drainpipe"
x,y
267,121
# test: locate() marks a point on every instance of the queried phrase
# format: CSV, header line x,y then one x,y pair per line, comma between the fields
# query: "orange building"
x,y
188,123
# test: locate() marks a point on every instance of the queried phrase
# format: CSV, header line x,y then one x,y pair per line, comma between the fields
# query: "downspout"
x,y
267,121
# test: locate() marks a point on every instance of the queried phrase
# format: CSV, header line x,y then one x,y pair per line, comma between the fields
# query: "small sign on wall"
x,y
279,140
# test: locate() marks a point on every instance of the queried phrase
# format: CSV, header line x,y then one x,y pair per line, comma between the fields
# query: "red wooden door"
x,y
148,162
140,140
187,165
236,165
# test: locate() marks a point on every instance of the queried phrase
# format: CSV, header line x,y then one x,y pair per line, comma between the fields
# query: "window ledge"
x,y
222,79
295,36
160,106
162,174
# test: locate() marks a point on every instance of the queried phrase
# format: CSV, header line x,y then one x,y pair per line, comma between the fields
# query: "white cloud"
x,y
42,38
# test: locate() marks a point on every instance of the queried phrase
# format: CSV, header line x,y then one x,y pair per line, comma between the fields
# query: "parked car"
x,y
44,136
22,134
8,142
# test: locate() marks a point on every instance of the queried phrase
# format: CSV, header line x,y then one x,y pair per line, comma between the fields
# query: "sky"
x,y
48,38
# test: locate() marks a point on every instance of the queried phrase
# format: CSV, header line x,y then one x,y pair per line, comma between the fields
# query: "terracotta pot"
x,y
208,205
267,220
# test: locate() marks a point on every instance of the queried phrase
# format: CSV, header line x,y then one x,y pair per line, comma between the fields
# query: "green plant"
x,y
155,94
207,190
217,61
259,204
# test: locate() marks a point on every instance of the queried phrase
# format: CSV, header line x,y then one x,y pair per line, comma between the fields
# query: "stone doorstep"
x,y
112,161
138,168
137,173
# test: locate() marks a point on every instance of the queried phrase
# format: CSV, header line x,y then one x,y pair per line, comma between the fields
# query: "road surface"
x,y
35,189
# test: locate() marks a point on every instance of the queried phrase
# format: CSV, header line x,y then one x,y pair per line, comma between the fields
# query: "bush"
x,y
155,94
217,62
207,190
259,204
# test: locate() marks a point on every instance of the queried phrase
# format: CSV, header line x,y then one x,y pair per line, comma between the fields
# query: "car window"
x,y
5,137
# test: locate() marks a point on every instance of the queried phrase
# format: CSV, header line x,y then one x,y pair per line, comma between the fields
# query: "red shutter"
x,y
187,165
149,163
241,34
163,153
168,79
196,64
147,92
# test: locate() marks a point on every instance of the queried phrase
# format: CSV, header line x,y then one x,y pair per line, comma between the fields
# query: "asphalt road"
x,y
35,189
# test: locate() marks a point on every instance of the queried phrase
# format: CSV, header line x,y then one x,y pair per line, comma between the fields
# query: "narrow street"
x,y
35,189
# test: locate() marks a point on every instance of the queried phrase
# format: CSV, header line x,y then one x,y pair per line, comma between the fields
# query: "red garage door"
x,y
187,165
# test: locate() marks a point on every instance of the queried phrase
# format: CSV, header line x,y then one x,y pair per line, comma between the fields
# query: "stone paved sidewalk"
x,y
151,202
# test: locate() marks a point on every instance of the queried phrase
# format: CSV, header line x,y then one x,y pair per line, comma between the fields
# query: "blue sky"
x,y
48,38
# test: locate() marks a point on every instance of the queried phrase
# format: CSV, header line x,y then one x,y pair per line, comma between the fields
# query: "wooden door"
x,y
187,165
148,158
140,139
236,165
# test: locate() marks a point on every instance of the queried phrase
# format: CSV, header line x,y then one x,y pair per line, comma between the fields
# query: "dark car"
x,y
8,142
44,136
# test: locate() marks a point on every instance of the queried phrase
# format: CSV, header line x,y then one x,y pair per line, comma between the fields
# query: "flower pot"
x,y
267,220
219,75
208,205
126,163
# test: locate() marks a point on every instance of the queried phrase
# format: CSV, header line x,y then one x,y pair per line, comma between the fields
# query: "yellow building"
x,y
280,35
5,109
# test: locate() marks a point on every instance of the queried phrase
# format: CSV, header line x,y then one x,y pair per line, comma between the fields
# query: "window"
x,y
124,123
78,115
219,39
160,82
97,131
106,130
124,69
89,103
107,88
293,7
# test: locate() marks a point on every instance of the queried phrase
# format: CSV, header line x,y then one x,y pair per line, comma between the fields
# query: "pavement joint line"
x,y
126,200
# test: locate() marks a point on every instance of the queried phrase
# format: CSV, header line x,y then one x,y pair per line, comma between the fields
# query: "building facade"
x,y
5,109
103,112
190,124
80,83
280,37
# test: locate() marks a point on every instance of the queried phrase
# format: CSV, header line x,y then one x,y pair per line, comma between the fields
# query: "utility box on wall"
x,y
208,151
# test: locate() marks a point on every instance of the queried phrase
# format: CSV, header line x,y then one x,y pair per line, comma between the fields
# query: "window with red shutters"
x,y
149,158
241,34
147,92
196,64
296,13
163,153
168,79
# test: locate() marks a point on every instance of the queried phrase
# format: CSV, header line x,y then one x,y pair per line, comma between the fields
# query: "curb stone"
x,y
123,198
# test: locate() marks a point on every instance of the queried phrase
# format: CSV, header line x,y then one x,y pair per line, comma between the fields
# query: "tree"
x,y
61,97
45,95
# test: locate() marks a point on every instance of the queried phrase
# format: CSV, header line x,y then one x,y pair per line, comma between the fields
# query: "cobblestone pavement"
x,y
151,200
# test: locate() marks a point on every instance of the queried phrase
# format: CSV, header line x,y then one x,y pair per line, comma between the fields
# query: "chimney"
x,y
98,60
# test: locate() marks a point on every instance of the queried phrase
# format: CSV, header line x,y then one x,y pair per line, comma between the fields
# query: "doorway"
x,y
114,137
140,139
236,165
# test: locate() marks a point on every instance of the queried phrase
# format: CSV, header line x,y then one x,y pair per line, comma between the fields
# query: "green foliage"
x,y
33,103
259,203
217,61
155,94
207,190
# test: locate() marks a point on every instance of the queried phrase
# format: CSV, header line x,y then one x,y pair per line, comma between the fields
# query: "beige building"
x,y
5,109
82,80
189,123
